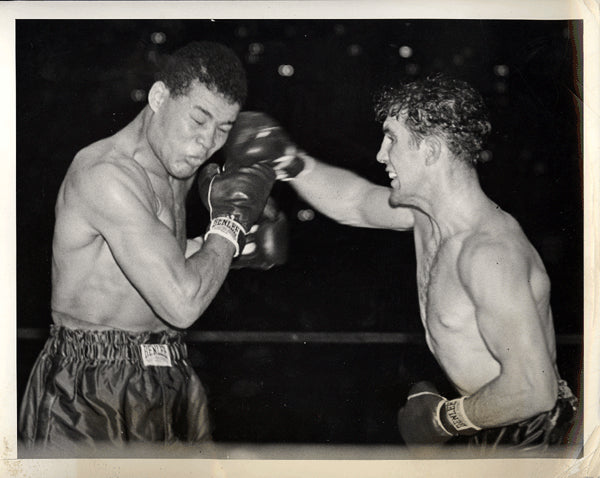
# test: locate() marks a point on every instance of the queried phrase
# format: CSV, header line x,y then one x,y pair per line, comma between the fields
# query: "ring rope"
x,y
298,337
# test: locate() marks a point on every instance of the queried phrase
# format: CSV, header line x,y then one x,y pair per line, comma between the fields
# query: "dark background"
x,y
82,80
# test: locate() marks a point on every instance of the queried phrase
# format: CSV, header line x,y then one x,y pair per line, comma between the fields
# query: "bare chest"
x,y
448,317
442,299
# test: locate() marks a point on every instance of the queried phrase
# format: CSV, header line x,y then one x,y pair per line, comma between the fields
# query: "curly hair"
x,y
213,64
440,106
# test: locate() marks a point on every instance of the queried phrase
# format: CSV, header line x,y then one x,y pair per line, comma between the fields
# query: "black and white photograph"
x,y
302,238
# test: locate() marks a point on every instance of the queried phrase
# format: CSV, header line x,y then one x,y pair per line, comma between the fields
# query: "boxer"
x,y
126,280
483,291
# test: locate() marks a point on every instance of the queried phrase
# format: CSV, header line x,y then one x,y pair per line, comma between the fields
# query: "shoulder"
x,y
484,249
494,254
101,175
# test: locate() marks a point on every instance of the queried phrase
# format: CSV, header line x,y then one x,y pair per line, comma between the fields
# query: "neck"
x,y
142,152
455,202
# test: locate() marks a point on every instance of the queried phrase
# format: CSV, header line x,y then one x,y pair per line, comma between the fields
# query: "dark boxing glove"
x,y
235,199
266,241
428,418
258,138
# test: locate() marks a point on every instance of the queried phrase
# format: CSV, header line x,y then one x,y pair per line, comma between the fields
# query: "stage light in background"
x,y
285,70
158,38
485,156
405,51
241,31
501,70
339,29
138,95
305,215
354,50
256,48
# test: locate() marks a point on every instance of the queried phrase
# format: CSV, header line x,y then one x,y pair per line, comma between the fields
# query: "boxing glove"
x,y
266,241
235,199
429,418
258,138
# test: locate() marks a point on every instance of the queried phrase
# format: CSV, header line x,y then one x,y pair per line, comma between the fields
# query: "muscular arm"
x,y
496,277
118,204
349,199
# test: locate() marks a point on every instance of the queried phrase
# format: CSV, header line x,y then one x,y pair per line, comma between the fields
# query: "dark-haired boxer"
x,y
483,291
125,278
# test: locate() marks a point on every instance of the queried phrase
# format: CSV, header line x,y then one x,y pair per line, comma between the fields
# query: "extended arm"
x,y
338,193
348,198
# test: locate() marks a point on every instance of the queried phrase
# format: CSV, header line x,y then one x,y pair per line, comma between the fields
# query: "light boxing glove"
x,y
428,418
258,138
266,242
235,199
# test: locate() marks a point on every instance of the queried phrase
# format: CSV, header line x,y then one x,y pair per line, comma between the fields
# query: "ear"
x,y
433,149
157,95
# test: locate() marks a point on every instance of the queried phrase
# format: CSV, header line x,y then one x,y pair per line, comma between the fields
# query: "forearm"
x,y
211,264
338,193
328,189
428,417
192,284
507,400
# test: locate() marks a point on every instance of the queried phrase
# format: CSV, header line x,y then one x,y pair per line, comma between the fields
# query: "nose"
x,y
382,156
206,137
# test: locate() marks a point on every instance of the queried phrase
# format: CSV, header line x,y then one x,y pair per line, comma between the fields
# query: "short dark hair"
x,y
438,105
212,64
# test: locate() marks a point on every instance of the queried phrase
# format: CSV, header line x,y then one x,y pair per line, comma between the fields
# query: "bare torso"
x,y
89,290
448,313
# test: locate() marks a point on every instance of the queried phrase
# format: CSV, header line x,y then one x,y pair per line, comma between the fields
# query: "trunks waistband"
x,y
111,344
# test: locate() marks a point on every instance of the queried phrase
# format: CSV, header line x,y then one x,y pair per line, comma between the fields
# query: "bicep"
x,y
507,317
376,211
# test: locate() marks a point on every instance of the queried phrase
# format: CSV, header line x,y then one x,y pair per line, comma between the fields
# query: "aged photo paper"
x,y
255,460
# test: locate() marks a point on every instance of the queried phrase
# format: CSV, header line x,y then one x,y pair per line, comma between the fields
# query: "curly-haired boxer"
x,y
483,291
125,278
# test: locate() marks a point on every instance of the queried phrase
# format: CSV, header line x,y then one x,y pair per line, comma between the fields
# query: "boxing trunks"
x,y
111,388
536,433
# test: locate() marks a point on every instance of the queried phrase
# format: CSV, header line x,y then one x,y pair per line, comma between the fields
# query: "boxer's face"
x,y
186,130
402,158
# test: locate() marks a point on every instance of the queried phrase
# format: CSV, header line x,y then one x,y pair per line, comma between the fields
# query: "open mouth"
x,y
394,177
